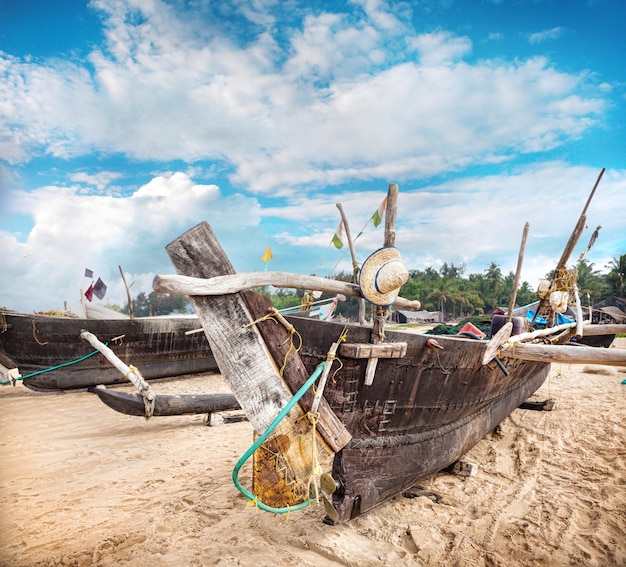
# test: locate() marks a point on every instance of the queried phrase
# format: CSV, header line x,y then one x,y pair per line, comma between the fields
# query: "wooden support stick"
x,y
573,239
518,272
127,288
130,372
579,314
355,264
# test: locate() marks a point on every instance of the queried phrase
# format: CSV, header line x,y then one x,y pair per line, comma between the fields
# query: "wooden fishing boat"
x,y
387,408
51,356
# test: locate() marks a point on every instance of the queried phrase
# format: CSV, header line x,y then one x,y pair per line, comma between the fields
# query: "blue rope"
x,y
263,438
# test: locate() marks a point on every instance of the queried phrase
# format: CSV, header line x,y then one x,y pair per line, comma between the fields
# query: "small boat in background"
x,y
49,355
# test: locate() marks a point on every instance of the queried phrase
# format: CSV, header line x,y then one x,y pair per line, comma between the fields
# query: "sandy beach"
x,y
83,485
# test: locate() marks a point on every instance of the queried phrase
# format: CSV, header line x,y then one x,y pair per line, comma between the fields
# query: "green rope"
x,y
6,382
264,437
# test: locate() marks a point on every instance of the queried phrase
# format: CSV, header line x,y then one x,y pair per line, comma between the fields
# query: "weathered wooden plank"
x,y
240,352
368,350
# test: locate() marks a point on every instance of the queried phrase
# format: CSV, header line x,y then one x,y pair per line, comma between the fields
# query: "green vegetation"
x,y
159,304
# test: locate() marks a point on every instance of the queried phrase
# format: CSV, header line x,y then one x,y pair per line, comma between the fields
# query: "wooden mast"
x,y
378,329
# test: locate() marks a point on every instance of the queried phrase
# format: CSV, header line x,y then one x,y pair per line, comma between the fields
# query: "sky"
x,y
123,123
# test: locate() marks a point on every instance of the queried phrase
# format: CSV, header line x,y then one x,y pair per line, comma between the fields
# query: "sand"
x,y
83,485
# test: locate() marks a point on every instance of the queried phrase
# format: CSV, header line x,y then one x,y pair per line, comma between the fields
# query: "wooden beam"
x,y
614,329
567,354
368,350
234,283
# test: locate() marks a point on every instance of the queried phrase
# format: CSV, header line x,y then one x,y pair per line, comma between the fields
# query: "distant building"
x,y
405,316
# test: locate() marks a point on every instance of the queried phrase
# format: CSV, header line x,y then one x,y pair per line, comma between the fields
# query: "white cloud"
x,y
99,180
480,220
331,102
546,35
74,230
440,48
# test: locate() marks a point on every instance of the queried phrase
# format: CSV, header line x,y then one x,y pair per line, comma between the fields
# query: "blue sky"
x,y
125,122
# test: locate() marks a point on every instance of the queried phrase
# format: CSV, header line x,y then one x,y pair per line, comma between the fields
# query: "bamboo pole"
x,y
355,264
518,272
234,283
612,329
579,314
580,225
573,239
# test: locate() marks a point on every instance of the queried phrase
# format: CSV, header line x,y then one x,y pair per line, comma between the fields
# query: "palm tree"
x,y
494,280
444,290
589,281
616,278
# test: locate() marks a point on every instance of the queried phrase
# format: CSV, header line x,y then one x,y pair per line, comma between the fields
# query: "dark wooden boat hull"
x,y
600,341
166,405
48,346
422,413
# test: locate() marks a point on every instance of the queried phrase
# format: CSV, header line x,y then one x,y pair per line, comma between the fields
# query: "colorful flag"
x,y
88,273
267,256
338,236
377,217
100,289
89,293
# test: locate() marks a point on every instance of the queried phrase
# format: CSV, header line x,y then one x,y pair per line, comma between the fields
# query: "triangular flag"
x,y
99,289
377,217
337,237
89,293
267,256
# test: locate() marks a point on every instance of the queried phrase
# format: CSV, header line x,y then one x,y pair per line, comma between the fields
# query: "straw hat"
x,y
382,275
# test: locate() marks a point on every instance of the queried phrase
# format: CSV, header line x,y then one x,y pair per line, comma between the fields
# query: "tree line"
x,y
448,290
